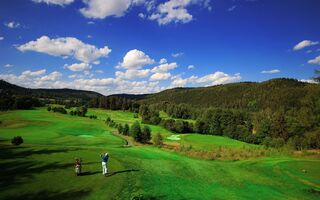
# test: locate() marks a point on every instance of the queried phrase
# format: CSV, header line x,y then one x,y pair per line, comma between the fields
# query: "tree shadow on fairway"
x,y
123,171
15,165
48,195
90,173
13,152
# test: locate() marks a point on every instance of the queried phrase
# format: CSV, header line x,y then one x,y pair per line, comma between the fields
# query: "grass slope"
x,y
42,167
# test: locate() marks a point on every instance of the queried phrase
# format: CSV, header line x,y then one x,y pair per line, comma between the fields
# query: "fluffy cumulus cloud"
x,y
29,73
100,9
308,81
164,67
33,79
191,67
133,74
12,24
66,46
303,44
78,67
135,59
273,71
172,11
55,2
208,80
176,11
315,61
160,76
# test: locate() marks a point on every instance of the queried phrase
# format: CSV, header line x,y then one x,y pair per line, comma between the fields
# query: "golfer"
x,y
104,159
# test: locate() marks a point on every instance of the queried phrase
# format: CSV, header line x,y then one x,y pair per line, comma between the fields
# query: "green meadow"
x,y
42,167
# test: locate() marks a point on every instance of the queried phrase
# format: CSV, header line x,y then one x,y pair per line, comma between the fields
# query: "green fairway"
x,y
209,142
42,167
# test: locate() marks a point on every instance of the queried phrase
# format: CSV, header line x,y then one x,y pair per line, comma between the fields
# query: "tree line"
x,y
138,133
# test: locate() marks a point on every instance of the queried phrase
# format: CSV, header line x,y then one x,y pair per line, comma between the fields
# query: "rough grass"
x,y
42,167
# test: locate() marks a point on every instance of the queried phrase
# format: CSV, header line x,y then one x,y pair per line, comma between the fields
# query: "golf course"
x,y
42,167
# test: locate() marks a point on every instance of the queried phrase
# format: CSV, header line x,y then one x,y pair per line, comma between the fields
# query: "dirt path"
x,y
127,139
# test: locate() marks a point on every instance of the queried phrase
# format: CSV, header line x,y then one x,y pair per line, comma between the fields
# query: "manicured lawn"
x,y
209,142
42,167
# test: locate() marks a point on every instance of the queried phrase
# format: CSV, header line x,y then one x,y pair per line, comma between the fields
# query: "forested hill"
x,y
273,94
62,94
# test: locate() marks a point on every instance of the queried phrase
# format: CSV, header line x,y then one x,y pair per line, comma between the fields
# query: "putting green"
x,y
42,167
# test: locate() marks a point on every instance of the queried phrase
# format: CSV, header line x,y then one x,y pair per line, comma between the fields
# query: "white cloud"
x,y
12,24
8,65
179,82
33,73
89,36
172,11
78,67
164,67
273,71
100,9
218,78
162,61
141,15
308,81
135,59
66,46
304,44
209,80
99,71
50,77
1,38
160,76
55,2
191,67
133,73
90,22
175,55
315,61
232,8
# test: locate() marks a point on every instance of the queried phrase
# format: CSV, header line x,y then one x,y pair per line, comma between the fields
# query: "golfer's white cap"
x,y
106,154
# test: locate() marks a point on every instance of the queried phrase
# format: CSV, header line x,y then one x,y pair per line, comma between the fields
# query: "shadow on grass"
x,y
119,172
13,152
15,164
90,173
48,195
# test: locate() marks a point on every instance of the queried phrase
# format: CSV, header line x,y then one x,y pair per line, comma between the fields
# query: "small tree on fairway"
x,y
157,139
120,129
125,130
145,135
17,140
135,131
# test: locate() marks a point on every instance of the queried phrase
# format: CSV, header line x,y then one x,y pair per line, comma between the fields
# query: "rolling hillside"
x,y
49,93
273,94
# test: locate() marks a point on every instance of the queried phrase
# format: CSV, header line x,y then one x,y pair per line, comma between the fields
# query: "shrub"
x,y
120,129
126,129
157,139
135,131
17,140
49,108
145,135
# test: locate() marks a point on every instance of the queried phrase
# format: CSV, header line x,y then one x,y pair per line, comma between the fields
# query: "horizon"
x,y
144,47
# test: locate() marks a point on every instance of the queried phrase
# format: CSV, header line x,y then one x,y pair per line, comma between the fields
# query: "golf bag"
x,y
78,167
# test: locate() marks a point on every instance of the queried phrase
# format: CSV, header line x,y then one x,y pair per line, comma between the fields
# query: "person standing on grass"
x,y
104,159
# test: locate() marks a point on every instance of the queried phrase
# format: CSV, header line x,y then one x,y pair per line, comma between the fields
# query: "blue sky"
x,y
140,46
